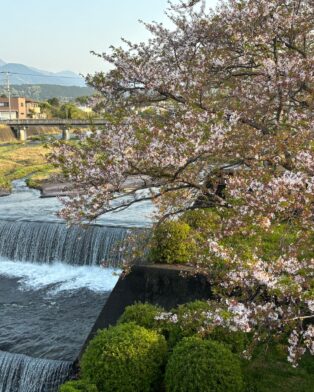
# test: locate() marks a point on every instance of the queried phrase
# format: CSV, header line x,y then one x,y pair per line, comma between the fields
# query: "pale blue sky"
x,y
58,35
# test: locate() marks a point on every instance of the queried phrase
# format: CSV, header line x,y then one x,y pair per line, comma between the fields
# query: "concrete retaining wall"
x,y
37,131
6,134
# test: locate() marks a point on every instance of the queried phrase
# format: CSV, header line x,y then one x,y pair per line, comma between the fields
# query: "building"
x,y
33,109
21,109
85,108
16,111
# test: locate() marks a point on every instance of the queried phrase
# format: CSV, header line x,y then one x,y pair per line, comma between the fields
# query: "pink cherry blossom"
x,y
216,112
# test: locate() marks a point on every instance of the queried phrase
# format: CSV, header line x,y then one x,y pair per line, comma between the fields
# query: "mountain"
x,y
42,92
22,74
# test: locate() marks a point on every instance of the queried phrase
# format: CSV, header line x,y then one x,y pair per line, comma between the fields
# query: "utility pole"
x,y
9,94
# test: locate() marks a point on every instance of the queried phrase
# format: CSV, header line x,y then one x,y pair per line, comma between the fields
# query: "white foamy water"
x,y
59,277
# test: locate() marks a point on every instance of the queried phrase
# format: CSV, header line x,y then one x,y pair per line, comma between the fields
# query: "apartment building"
x,y
21,108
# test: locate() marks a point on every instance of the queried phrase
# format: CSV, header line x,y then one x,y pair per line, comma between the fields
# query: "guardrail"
x,y
53,122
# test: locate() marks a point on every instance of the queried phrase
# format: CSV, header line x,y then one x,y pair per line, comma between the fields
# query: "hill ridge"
x,y
22,74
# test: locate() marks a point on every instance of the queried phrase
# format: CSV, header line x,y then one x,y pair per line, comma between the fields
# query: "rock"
x,y
56,189
4,193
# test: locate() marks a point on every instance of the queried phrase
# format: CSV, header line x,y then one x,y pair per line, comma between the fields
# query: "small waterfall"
x,y
46,242
53,243
19,373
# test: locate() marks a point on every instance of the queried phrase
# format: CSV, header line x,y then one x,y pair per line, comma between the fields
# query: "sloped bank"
x,y
6,134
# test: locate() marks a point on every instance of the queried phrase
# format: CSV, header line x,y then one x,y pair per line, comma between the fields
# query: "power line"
x,y
40,76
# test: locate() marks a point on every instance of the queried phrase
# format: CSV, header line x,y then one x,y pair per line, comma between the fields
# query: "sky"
x,y
58,35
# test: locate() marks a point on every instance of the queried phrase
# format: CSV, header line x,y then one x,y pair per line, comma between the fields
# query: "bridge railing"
x,y
53,122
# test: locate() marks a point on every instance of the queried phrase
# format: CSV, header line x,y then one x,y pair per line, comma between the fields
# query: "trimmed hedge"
x,y
203,365
141,314
124,358
191,318
78,386
236,341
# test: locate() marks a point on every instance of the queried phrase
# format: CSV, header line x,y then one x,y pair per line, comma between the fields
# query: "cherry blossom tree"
x,y
215,112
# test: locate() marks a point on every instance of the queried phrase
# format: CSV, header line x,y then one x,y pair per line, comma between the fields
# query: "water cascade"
x,y
46,242
20,373
36,248
51,286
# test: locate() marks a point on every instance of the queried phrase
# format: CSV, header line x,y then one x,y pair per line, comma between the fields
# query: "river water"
x,y
26,204
54,280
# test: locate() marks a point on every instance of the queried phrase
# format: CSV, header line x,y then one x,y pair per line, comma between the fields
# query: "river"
x,y
54,280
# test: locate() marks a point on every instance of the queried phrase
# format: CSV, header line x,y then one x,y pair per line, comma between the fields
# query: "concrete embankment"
x,y
6,134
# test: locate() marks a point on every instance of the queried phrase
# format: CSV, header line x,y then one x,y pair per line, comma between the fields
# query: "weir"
x,y
46,242
40,243
20,373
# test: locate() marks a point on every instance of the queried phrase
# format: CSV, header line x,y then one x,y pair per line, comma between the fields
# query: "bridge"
x,y
20,126
53,123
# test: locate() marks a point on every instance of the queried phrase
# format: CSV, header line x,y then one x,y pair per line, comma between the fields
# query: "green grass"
x,y
24,160
41,176
269,371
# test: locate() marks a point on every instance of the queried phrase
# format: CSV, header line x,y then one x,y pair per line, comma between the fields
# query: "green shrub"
x,y
141,314
203,365
191,318
268,244
171,243
236,341
203,220
78,386
124,358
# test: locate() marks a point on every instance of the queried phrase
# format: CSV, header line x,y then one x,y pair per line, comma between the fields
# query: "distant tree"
x,y
84,100
54,101
62,111
44,106
70,111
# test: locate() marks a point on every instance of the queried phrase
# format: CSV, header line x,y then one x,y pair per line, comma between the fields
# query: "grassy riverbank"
x,y
24,160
